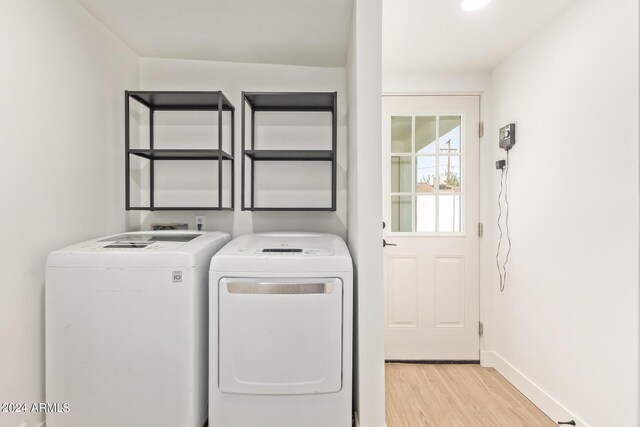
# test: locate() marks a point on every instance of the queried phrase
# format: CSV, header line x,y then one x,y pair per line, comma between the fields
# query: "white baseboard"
x,y
356,420
487,359
547,404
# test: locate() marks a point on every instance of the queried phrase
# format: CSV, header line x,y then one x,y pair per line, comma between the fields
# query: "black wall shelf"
x,y
287,102
291,101
293,155
178,154
179,101
183,101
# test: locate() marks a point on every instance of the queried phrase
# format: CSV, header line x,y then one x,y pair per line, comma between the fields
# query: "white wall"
x,y
232,79
61,165
416,82
365,207
566,327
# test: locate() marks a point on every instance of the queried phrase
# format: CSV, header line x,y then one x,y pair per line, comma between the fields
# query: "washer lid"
x,y
162,236
141,249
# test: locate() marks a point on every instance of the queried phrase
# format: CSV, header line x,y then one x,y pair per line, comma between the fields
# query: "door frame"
x,y
484,284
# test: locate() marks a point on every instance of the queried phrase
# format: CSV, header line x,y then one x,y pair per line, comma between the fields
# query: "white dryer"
x,y
126,330
280,332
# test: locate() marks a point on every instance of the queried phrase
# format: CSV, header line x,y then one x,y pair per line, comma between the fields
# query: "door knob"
x,y
385,244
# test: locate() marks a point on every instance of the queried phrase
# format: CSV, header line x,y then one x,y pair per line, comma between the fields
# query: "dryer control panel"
x,y
284,251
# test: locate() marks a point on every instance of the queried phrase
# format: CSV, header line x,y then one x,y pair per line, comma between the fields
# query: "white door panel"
x,y
431,204
403,298
449,292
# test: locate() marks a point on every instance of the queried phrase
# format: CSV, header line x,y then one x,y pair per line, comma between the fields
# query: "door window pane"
x,y
401,213
450,134
425,174
450,176
449,214
401,174
426,214
425,135
401,134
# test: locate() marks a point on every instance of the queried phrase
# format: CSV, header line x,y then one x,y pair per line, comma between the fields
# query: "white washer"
x,y
280,343
126,330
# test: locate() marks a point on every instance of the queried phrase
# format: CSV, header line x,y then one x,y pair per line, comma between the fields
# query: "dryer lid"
x,y
290,252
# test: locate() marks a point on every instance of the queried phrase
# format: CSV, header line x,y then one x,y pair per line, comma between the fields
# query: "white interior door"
x,y
431,205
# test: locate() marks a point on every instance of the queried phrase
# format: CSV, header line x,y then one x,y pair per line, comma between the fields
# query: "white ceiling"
x,y
438,36
297,32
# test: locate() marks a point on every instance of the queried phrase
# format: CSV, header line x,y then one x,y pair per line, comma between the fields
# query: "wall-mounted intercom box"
x,y
508,136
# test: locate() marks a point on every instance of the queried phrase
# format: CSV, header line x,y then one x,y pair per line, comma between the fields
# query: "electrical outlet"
x,y
201,221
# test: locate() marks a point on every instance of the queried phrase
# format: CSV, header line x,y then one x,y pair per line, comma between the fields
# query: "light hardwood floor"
x,y
456,395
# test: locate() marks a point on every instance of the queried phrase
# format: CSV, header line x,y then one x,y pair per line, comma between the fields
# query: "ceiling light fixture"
x,y
473,4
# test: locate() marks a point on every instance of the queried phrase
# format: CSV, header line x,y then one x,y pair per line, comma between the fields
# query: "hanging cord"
x,y
506,221
504,188
500,229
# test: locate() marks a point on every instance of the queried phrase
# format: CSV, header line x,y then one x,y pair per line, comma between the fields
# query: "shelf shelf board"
x,y
292,209
179,208
292,155
291,101
181,154
182,100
